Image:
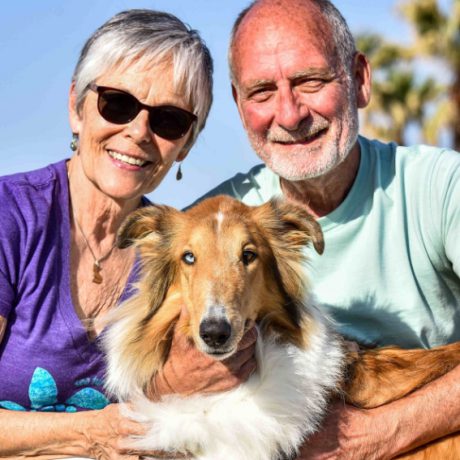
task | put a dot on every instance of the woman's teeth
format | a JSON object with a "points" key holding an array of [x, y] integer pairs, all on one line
{"points": [[126, 158]]}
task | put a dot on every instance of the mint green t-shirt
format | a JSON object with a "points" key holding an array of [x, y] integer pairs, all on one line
{"points": [[390, 272]]}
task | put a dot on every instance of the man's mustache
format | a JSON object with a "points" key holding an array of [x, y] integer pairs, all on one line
{"points": [[306, 130]]}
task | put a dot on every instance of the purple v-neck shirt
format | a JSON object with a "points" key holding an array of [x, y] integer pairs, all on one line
{"points": [[47, 362]]}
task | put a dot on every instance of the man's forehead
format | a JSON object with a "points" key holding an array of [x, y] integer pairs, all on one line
{"points": [[282, 55], [263, 38], [273, 14]]}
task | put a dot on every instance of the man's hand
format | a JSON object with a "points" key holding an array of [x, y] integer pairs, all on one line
{"points": [[385, 432], [187, 370], [350, 434]]}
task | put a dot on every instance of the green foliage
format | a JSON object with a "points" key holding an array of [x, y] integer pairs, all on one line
{"points": [[404, 95]]}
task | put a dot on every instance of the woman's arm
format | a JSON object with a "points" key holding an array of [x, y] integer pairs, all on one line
{"points": [[95, 434]]}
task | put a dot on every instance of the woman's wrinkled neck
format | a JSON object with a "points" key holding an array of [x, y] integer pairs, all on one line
{"points": [[99, 214]]}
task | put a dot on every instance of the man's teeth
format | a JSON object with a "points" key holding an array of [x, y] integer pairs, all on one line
{"points": [[127, 159]]}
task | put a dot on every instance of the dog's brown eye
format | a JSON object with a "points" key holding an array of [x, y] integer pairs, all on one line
{"points": [[248, 256], [188, 258]]}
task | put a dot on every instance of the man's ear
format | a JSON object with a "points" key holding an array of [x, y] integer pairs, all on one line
{"points": [[235, 94], [74, 116], [362, 77]]}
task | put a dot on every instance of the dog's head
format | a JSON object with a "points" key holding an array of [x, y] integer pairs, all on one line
{"points": [[232, 265]]}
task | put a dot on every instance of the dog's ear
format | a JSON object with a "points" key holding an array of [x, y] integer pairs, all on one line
{"points": [[293, 225], [152, 230], [288, 229], [142, 223], [302, 228]]}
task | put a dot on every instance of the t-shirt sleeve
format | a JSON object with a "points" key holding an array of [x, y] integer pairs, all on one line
{"points": [[449, 188], [451, 217], [9, 250]]}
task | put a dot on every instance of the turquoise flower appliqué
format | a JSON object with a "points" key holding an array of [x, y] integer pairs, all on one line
{"points": [[43, 396]]}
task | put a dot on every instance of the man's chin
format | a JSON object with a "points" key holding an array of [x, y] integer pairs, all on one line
{"points": [[295, 172], [299, 164]]}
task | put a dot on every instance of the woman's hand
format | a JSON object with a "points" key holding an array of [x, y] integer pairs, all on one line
{"points": [[108, 436], [187, 370]]}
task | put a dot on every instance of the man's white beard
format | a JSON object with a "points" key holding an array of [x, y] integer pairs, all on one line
{"points": [[297, 166]]}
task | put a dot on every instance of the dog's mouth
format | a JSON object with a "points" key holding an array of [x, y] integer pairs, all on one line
{"points": [[220, 354]]}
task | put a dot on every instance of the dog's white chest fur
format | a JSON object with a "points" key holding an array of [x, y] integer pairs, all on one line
{"points": [[268, 415]]}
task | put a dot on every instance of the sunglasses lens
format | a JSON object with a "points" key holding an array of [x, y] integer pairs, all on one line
{"points": [[170, 122], [117, 107]]}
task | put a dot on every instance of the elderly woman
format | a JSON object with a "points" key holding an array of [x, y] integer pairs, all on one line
{"points": [[139, 97]]}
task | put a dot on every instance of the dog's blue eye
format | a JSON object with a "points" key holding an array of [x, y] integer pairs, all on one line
{"points": [[188, 258], [248, 256]]}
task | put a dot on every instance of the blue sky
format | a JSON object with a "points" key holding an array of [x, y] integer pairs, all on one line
{"points": [[40, 43]]}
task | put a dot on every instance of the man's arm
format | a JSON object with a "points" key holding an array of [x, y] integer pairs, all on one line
{"points": [[387, 431]]}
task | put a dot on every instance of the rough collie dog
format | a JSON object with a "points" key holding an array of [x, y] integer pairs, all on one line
{"points": [[230, 265]]}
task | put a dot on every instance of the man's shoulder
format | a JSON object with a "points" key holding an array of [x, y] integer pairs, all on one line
{"points": [[419, 160], [415, 152], [429, 167], [254, 187]]}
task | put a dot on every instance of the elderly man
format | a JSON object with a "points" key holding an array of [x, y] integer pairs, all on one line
{"points": [[390, 215]]}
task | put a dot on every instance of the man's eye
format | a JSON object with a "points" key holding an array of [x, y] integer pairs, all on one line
{"points": [[260, 95], [311, 85]]}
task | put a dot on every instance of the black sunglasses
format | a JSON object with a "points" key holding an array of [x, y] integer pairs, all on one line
{"points": [[119, 107]]}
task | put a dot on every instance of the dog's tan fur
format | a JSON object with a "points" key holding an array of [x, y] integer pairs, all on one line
{"points": [[270, 290], [382, 375]]}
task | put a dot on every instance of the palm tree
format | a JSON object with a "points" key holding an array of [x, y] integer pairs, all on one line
{"points": [[437, 34], [399, 97]]}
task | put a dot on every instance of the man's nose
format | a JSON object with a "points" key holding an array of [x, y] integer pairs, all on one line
{"points": [[290, 110]]}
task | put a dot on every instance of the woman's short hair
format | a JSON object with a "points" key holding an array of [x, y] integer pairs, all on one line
{"points": [[153, 37]]}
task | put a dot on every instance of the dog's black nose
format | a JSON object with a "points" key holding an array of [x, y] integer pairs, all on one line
{"points": [[215, 332]]}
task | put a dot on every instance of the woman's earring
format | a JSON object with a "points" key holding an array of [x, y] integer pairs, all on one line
{"points": [[179, 173], [74, 142]]}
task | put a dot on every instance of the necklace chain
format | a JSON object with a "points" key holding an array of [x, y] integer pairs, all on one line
{"points": [[97, 267]]}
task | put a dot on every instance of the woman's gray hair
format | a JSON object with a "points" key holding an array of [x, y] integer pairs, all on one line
{"points": [[152, 37], [341, 35]]}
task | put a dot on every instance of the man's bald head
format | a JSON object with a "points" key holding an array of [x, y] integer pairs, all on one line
{"points": [[320, 16]]}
